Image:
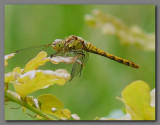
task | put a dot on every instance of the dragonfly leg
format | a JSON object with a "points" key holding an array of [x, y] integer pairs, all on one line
{"points": [[79, 64], [53, 54], [66, 54], [83, 56], [78, 52]]}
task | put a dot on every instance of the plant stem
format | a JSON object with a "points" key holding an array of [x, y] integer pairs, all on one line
{"points": [[13, 98]]}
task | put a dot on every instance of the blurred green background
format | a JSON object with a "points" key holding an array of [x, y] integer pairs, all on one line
{"points": [[102, 80]]}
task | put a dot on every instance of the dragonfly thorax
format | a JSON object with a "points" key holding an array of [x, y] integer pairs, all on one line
{"points": [[71, 43]]}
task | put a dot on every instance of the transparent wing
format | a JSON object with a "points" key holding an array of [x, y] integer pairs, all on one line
{"points": [[77, 67], [23, 56]]}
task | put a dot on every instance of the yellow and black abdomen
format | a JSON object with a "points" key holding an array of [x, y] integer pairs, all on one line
{"points": [[91, 48]]}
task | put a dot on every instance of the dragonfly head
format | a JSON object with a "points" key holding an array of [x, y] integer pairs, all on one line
{"points": [[58, 45]]}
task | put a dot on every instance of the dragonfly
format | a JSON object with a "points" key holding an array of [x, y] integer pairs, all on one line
{"points": [[73, 46]]}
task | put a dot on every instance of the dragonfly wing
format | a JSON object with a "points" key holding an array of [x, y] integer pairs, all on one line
{"points": [[23, 56], [77, 67]]}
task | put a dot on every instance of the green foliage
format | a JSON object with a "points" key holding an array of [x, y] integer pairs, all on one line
{"points": [[48, 102]]}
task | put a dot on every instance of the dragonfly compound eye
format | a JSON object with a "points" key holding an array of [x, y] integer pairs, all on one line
{"points": [[57, 45], [56, 42]]}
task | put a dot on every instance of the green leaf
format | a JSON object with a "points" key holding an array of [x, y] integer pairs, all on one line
{"points": [[39, 79], [51, 105], [12, 76], [137, 99], [39, 60], [42, 58]]}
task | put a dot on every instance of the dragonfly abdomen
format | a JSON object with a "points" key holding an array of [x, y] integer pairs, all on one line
{"points": [[91, 48]]}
